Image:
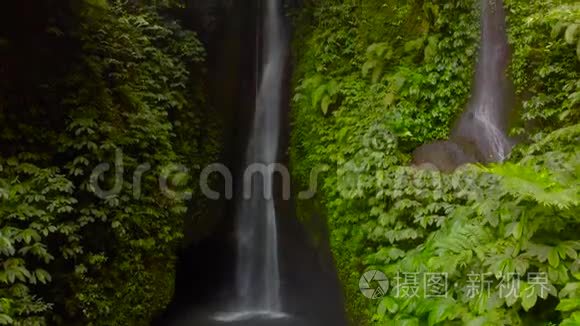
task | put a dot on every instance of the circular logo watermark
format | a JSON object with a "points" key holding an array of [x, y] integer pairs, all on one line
{"points": [[373, 284]]}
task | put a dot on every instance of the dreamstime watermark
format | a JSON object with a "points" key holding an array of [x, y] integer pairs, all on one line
{"points": [[108, 180], [375, 284], [215, 181]]}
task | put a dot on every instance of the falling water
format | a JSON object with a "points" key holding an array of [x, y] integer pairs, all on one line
{"points": [[257, 271], [480, 135], [484, 123]]}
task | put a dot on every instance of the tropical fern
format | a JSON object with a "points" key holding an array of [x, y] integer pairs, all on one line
{"points": [[378, 55]]}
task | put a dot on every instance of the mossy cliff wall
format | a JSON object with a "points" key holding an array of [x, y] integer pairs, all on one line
{"points": [[81, 81]]}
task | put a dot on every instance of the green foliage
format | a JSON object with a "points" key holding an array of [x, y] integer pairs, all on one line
{"points": [[318, 92], [425, 64], [516, 218], [566, 18], [133, 86], [509, 220], [377, 56], [545, 62], [34, 202], [421, 61]]}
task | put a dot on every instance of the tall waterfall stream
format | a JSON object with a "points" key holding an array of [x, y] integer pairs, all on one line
{"points": [[257, 270]]}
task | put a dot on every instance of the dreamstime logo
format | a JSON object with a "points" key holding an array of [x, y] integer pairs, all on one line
{"points": [[374, 284], [256, 177], [108, 180]]}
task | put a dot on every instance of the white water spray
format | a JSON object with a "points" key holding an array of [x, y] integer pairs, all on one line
{"points": [[485, 122], [257, 271]]}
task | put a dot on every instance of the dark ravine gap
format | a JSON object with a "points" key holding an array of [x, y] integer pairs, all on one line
{"points": [[225, 27], [480, 134], [206, 283]]}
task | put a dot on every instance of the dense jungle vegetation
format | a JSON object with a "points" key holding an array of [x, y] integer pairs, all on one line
{"points": [[84, 83], [122, 85], [374, 80]]}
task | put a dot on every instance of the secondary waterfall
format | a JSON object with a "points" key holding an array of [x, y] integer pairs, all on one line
{"points": [[484, 123], [480, 135], [257, 270]]}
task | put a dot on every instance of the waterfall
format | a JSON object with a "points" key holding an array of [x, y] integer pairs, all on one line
{"points": [[484, 123], [257, 271], [480, 135]]}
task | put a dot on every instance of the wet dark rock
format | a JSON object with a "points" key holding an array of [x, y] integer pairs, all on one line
{"points": [[444, 156]]}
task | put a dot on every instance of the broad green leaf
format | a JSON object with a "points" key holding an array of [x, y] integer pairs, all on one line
{"points": [[390, 304], [529, 296], [43, 276], [569, 304], [571, 32], [318, 94], [389, 99], [570, 290], [5, 319], [408, 322], [554, 258], [326, 100]]}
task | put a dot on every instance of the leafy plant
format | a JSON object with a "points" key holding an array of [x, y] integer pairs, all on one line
{"points": [[320, 93], [378, 55], [123, 80], [544, 63], [513, 218]]}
